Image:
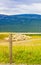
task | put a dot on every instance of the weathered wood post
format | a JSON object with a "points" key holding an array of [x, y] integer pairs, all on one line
{"points": [[10, 43]]}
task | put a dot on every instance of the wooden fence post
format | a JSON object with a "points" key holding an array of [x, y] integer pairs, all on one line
{"points": [[10, 43]]}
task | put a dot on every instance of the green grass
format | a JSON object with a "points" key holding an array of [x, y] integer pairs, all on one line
{"points": [[4, 54], [27, 54], [21, 54], [33, 34]]}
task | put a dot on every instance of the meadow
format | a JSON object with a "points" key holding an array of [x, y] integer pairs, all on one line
{"points": [[28, 53], [21, 54]]}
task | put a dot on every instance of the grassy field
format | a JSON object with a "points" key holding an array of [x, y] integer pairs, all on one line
{"points": [[23, 52]]}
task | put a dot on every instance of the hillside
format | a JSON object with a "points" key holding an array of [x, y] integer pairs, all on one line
{"points": [[20, 23]]}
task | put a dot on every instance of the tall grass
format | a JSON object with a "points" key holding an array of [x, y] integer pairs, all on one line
{"points": [[4, 54], [21, 54]]}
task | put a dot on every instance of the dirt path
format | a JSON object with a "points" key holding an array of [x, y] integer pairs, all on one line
{"points": [[25, 42]]}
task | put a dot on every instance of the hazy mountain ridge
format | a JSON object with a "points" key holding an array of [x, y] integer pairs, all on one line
{"points": [[21, 23]]}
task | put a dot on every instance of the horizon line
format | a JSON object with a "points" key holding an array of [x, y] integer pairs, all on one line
{"points": [[20, 14]]}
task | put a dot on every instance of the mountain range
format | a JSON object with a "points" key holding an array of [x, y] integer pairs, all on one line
{"points": [[20, 23]]}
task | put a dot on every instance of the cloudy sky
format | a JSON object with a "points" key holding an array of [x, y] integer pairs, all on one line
{"points": [[12, 7]]}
